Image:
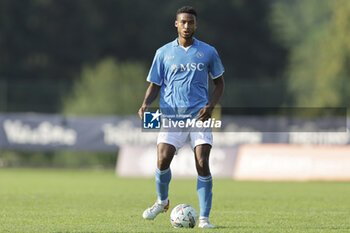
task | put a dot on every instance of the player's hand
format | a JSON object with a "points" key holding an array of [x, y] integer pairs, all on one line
{"points": [[141, 110], [205, 113]]}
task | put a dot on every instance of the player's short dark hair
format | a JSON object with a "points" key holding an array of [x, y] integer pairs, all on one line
{"points": [[186, 9]]}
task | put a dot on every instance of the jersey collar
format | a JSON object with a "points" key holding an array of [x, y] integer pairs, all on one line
{"points": [[175, 43]]}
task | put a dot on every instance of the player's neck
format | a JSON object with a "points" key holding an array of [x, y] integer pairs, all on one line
{"points": [[185, 42]]}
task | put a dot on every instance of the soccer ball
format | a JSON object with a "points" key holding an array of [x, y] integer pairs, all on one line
{"points": [[183, 215]]}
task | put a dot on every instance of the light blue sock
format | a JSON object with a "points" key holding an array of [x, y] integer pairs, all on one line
{"points": [[162, 183], [204, 190]]}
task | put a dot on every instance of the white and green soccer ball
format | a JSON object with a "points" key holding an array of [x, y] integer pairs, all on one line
{"points": [[183, 216]]}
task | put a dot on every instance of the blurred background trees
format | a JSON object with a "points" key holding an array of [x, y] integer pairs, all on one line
{"points": [[107, 88], [92, 57], [317, 33]]}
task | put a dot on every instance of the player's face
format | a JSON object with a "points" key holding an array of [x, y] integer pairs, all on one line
{"points": [[186, 25]]}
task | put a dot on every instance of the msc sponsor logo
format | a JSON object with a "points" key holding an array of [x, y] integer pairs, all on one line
{"points": [[187, 67]]}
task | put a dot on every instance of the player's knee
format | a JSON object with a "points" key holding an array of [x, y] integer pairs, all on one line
{"points": [[203, 162], [202, 165], [163, 162], [165, 156]]}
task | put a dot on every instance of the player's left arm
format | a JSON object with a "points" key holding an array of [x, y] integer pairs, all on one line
{"points": [[205, 112]]}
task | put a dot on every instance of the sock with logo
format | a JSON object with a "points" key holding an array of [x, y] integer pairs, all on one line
{"points": [[163, 178], [204, 190]]}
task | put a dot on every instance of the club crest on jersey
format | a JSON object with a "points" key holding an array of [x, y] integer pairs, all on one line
{"points": [[199, 54], [187, 67]]}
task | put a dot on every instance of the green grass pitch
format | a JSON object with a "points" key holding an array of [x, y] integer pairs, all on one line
{"points": [[42, 200]]}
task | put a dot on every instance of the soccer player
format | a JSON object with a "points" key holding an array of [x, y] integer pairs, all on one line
{"points": [[180, 71]]}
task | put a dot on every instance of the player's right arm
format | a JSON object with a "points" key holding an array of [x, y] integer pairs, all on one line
{"points": [[155, 77], [151, 95]]}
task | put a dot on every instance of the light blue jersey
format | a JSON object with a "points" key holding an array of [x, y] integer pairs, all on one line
{"points": [[183, 76]]}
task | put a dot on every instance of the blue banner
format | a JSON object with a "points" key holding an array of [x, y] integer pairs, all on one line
{"points": [[56, 132]]}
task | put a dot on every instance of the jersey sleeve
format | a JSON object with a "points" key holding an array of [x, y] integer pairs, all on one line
{"points": [[216, 69], [156, 72]]}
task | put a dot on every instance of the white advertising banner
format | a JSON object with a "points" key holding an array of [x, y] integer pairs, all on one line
{"points": [[292, 162], [140, 161]]}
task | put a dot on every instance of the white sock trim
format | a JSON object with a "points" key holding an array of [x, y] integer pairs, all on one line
{"points": [[205, 178], [162, 202], [162, 172]]}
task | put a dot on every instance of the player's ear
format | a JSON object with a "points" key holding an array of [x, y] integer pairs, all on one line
{"points": [[175, 23]]}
